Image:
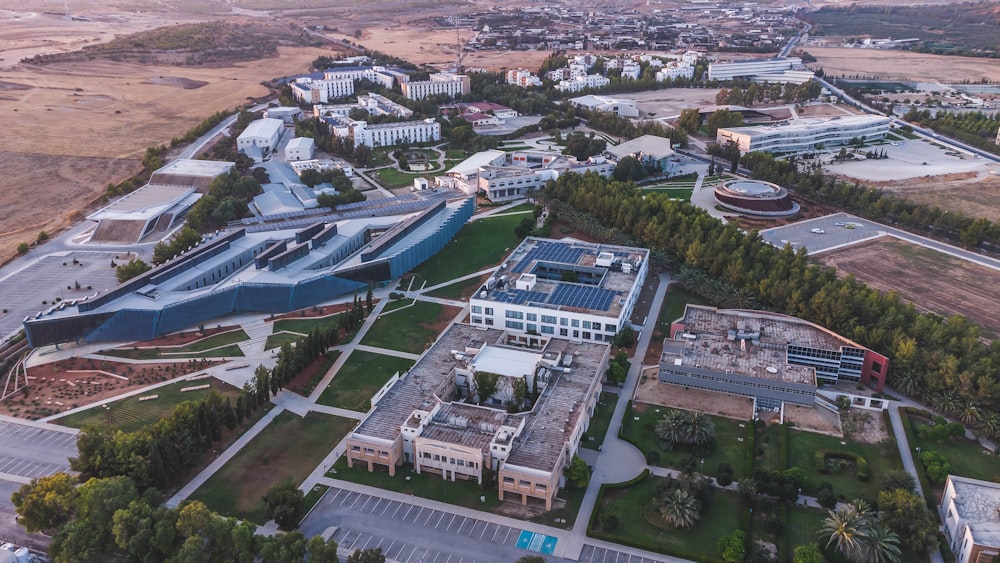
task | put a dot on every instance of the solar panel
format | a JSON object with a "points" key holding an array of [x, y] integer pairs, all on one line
{"points": [[550, 251], [517, 296], [583, 297]]}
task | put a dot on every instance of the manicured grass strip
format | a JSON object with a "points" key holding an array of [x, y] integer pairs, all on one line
{"points": [[289, 448], [478, 245], [359, 378], [639, 524], [131, 414], [769, 441], [967, 457], [600, 422], [391, 178], [224, 343], [673, 306], [456, 290], [803, 523], [406, 330], [573, 499], [307, 325], [427, 485], [674, 193], [280, 339], [314, 496], [802, 447], [728, 447]]}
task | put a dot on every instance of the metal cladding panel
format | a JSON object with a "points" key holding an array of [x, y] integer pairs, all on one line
{"points": [[197, 310], [263, 258], [308, 233], [324, 288], [51, 331], [265, 297], [126, 325]]}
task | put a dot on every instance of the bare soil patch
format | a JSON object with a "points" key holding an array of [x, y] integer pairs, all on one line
{"points": [[903, 65], [974, 193], [313, 312], [814, 419], [865, 426], [932, 280], [650, 390], [79, 381], [825, 110], [176, 81]]}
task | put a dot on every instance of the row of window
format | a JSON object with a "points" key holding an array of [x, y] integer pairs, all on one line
{"points": [[549, 319], [525, 483], [369, 451], [451, 460]]}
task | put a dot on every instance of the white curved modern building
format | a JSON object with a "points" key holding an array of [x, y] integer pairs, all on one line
{"points": [[805, 135]]}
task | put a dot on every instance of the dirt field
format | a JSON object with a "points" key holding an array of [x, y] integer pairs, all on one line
{"points": [[814, 419], [973, 193], [931, 280], [650, 390], [895, 64]]}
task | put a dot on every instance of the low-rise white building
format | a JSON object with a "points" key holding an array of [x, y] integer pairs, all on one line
{"points": [[300, 148], [388, 134], [261, 135], [583, 82], [618, 106], [805, 135], [309, 91], [970, 510], [674, 70], [286, 114], [445, 83], [631, 70], [523, 78]]}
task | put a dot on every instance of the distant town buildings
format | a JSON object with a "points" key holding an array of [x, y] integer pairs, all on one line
{"points": [[806, 135], [970, 510], [674, 70], [523, 78], [583, 82], [772, 358], [442, 83], [568, 289]]}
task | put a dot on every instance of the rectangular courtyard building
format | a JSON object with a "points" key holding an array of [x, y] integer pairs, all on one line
{"points": [[565, 288], [970, 510], [772, 358], [427, 418]]}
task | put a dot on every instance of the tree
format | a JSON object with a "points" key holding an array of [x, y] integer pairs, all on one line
{"points": [[898, 479], [42, 237], [370, 555], [285, 504], [370, 299], [629, 169], [689, 120], [846, 528], [578, 473], [45, 503], [486, 385], [524, 228], [733, 547], [700, 429], [131, 269], [881, 546], [906, 514], [808, 553], [322, 551], [679, 508], [531, 559], [23, 248]]}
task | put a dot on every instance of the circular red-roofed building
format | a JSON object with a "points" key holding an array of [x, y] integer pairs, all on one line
{"points": [[754, 197]]}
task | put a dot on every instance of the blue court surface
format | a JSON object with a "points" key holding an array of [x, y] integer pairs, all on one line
{"points": [[539, 543]]}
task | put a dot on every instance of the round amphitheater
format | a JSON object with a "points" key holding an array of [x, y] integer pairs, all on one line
{"points": [[754, 197]]}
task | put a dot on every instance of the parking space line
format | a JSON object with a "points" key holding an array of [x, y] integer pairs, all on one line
{"points": [[364, 507], [494, 536], [427, 519], [507, 535], [450, 522], [394, 512], [440, 518], [405, 516], [386, 508], [483, 533]]}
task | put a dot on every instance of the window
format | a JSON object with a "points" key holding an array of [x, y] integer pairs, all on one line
{"points": [[427, 455], [548, 319], [576, 323], [877, 367], [517, 325], [437, 457], [514, 315], [610, 328], [586, 335], [532, 328], [541, 488], [563, 332], [586, 324], [576, 334], [460, 462], [355, 448], [477, 319], [508, 480], [489, 310], [489, 321], [532, 317], [548, 330], [563, 321], [523, 483], [477, 309]]}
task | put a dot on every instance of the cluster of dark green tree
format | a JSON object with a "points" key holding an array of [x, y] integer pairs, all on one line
{"points": [[931, 355], [108, 519], [974, 128], [184, 239], [227, 200], [618, 367], [131, 269], [679, 428], [875, 204], [161, 453], [582, 146], [629, 129], [747, 93]]}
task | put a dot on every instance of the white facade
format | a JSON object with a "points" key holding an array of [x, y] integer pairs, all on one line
{"points": [[618, 106], [261, 134], [750, 68], [286, 114], [300, 148], [377, 104], [440, 83], [788, 76], [970, 511], [631, 70], [523, 78], [805, 135], [674, 70], [388, 134], [308, 91], [510, 183], [583, 82]]}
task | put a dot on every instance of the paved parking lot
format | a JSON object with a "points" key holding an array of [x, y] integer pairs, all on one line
{"points": [[410, 533], [592, 554], [30, 451], [801, 234]]}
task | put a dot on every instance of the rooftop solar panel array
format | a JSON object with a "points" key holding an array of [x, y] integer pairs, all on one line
{"points": [[583, 297], [551, 251], [518, 296], [400, 208]]}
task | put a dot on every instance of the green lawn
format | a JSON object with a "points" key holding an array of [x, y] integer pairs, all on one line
{"points": [[280, 339], [639, 524], [768, 441], [455, 290], [673, 193], [359, 378], [907, 134], [391, 178], [802, 445], [728, 447], [224, 344], [520, 208], [289, 448], [600, 421], [314, 496], [130, 414], [426, 485], [568, 511], [406, 330], [478, 245], [673, 306], [307, 325], [803, 523], [965, 456]]}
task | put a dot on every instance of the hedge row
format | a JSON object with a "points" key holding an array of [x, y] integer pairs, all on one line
{"points": [[925, 484], [819, 460]]}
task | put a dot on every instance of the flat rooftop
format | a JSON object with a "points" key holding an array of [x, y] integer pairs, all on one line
{"points": [[601, 289], [807, 125], [467, 425], [978, 503], [191, 167]]}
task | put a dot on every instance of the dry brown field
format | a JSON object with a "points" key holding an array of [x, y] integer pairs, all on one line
{"points": [[931, 280], [974, 193], [903, 65]]}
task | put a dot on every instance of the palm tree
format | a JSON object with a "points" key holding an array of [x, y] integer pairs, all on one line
{"points": [[672, 429], [970, 412], [680, 509], [990, 424], [946, 402], [847, 529], [881, 546], [699, 429], [906, 382]]}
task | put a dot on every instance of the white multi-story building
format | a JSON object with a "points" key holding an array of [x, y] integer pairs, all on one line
{"points": [[631, 70], [441, 83], [568, 289], [523, 78], [388, 134], [750, 68], [309, 91], [618, 106], [788, 76], [261, 135], [674, 70], [300, 148], [286, 114], [970, 510], [377, 104], [805, 135], [578, 83]]}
